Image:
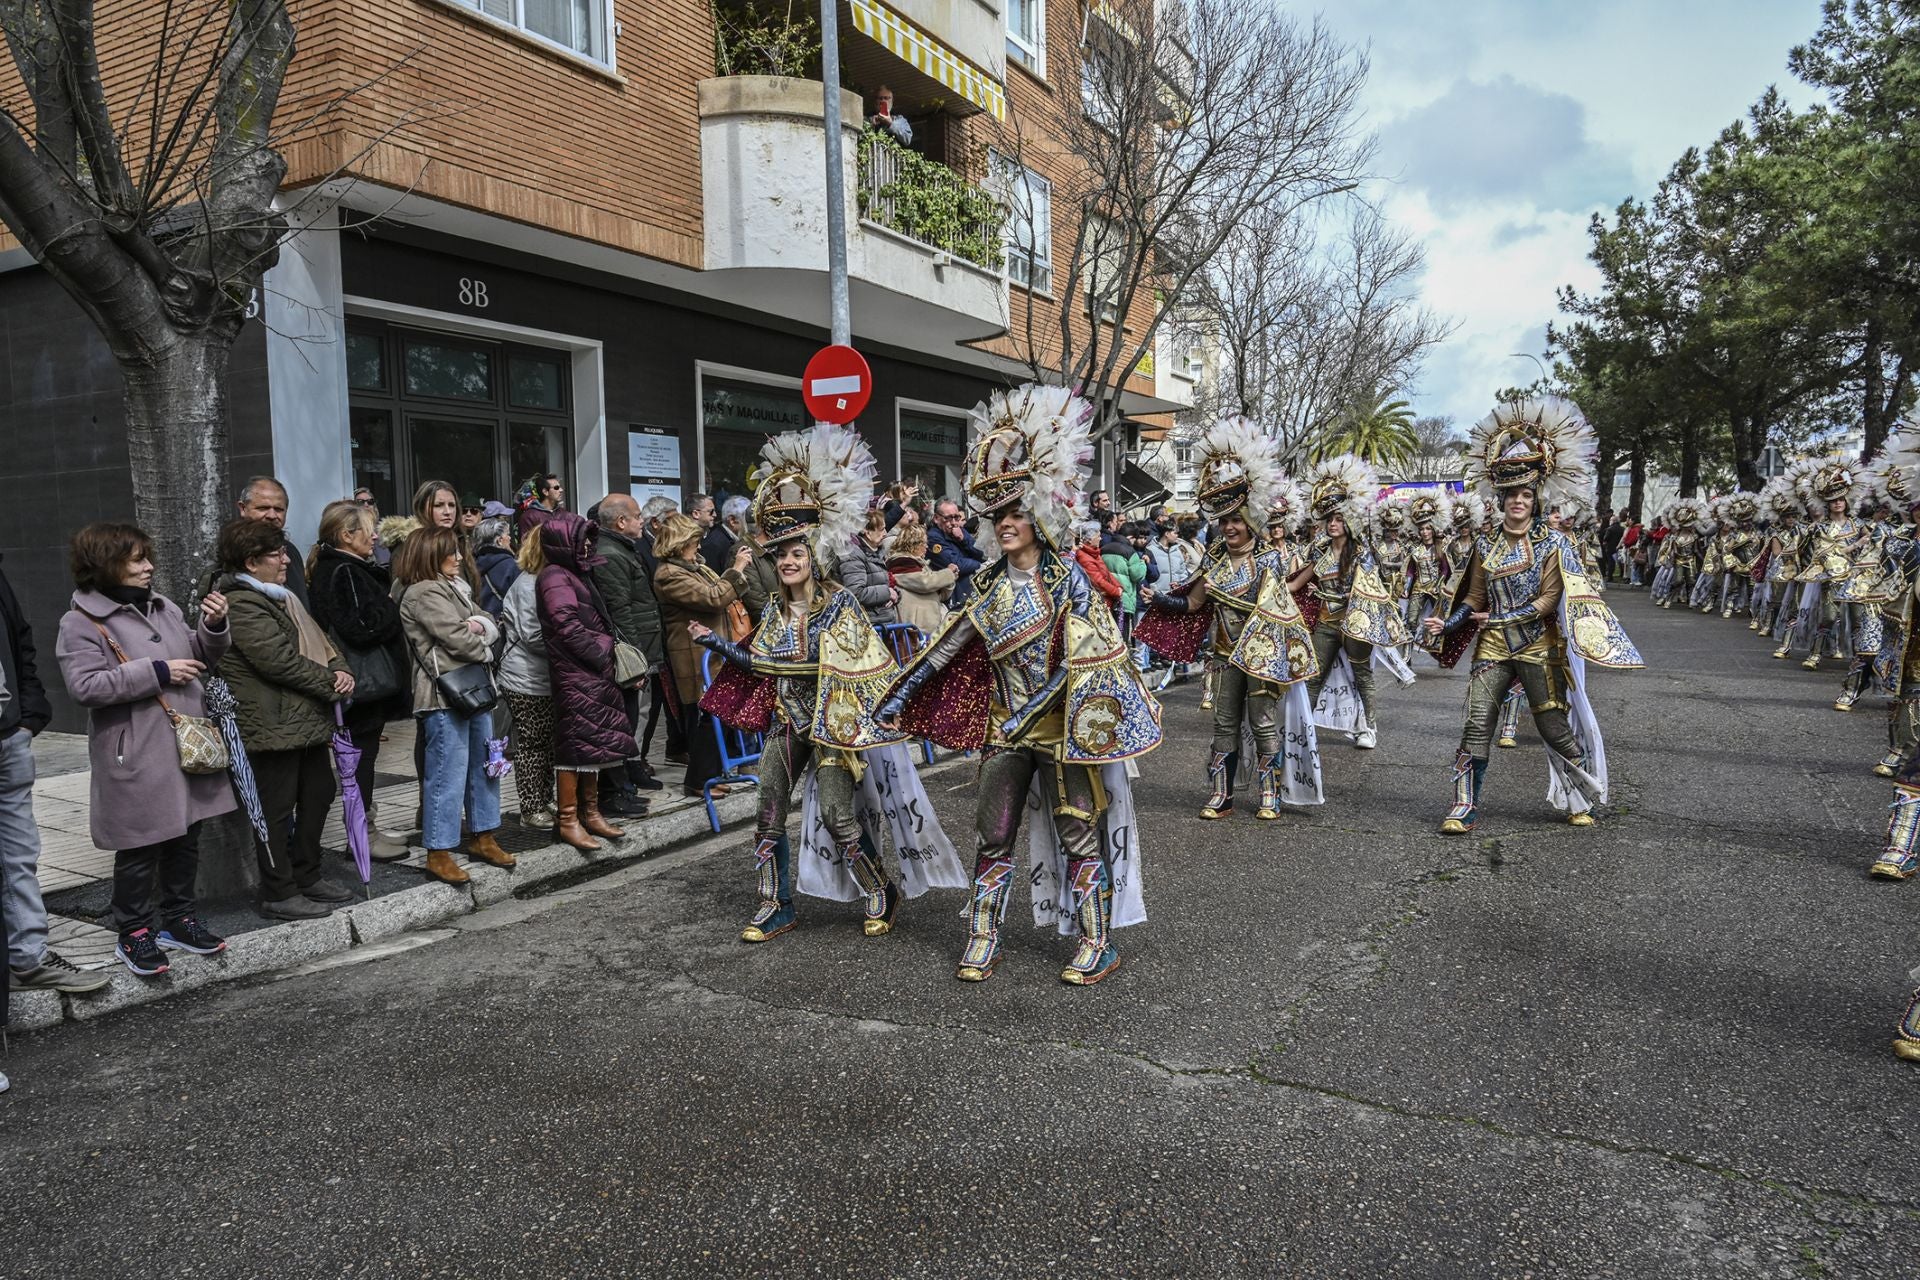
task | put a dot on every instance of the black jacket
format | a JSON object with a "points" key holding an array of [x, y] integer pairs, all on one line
{"points": [[716, 548], [26, 705], [498, 569], [627, 587]]}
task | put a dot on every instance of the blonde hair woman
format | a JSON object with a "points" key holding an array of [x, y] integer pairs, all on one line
{"points": [[688, 591]]}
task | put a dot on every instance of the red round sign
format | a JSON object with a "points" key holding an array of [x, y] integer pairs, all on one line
{"points": [[836, 385]]}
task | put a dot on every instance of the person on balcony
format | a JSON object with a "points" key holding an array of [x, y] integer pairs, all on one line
{"points": [[884, 120]]}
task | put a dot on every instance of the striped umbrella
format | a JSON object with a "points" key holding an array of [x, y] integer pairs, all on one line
{"points": [[221, 706]]}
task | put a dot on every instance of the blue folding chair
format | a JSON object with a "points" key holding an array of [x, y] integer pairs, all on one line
{"points": [[905, 640], [738, 748]]}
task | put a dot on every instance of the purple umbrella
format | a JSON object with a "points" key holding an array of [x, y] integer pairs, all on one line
{"points": [[353, 805]]}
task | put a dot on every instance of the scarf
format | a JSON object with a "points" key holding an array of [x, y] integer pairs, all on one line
{"points": [[314, 645]]}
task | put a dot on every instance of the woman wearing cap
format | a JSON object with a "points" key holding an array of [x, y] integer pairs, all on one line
{"points": [[1356, 618], [1052, 732], [1527, 611], [817, 666], [1252, 627]]}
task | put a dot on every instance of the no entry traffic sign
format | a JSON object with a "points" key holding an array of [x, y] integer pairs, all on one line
{"points": [[836, 385]]}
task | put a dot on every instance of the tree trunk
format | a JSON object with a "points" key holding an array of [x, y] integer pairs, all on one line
{"points": [[1637, 480], [1875, 392], [177, 444], [1747, 437], [1603, 480], [1689, 459]]}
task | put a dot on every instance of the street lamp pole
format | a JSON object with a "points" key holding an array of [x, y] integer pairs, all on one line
{"points": [[836, 173], [1528, 355]]}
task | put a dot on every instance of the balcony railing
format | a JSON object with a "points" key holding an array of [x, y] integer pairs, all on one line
{"points": [[924, 200]]}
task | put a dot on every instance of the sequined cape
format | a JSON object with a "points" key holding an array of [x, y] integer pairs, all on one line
{"points": [[1586, 626]]}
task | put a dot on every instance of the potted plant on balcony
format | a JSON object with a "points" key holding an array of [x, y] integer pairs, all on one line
{"points": [[754, 39]]}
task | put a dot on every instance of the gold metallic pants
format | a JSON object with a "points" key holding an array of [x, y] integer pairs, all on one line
{"points": [[1546, 689], [1329, 640], [783, 762], [1074, 791]]}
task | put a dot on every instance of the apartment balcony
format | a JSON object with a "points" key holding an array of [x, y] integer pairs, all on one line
{"points": [[916, 279]]}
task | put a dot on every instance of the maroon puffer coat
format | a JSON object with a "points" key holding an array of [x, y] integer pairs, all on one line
{"points": [[590, 715]]}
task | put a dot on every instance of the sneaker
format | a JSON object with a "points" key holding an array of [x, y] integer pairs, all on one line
{"points": [[539, 820], [140, 953], [297, 907], [57, 973], [1366, 739], [327, 890], [188, 934]]}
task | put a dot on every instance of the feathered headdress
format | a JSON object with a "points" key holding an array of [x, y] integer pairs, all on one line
{"points": [[1288, 507], [1470, 511], [1542, 443], [1740, 508], [1390, 514], [1900, 457], [1344, 486], [1796, 482], [1032, 446], [813, 484], [1832, 480], [1576, 511], [1428, 507], [1688, 513], [1239, 468]]}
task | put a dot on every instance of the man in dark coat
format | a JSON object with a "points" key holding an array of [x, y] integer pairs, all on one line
{"points": [[717, 547], [264, 498], [627, 586], [24, 712], [948, 544]]}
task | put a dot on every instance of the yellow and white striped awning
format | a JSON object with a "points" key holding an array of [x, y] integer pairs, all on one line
{"points": [[915, 46]]}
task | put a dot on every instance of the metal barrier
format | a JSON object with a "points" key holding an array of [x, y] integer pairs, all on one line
{"points": [[904, 640], [738, 748]]}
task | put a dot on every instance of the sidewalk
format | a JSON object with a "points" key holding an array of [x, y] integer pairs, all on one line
{"points": [[76, 878]]}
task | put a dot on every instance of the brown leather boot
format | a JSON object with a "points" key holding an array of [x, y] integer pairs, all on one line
{"points": [[442, 867], [590, 809], [484, 847], [568, 828]]}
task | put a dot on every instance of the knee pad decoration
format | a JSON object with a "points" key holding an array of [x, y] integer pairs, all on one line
{"points": [[1095, 957], [774, 860], [992, 887]]}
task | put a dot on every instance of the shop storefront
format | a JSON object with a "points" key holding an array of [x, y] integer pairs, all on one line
{"points": [[933, 447]]}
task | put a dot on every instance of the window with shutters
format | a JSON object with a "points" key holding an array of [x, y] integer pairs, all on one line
{"points": [[578, 26]]}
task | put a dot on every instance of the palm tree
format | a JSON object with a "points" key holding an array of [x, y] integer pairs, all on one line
{"points": [[1379, 428]]}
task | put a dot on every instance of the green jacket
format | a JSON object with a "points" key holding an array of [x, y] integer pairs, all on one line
{"points": [[286, 700], [1129, 571], [628, 591]]}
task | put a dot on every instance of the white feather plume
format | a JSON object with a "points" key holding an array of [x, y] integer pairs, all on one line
{"points": [[1290, 501], [1056, 428], [1240, 446], [1562, 432], [1349, 474], [828, 465]]}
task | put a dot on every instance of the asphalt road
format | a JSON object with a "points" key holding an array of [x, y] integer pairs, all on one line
{"points": [[1343, 1045]]}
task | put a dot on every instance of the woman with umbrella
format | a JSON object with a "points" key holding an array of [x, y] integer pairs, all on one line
{"points": [[128, 656]]}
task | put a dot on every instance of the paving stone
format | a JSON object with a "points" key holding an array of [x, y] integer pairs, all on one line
{"points": [[263, 951]]}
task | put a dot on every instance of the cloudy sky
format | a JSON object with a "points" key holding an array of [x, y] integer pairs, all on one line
{"points": [[1504, 124]]}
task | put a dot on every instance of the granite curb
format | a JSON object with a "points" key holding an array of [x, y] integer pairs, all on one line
{"points": [[285, 946]]}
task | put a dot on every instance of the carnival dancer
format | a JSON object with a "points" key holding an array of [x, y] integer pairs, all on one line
{"points": [[1740, 552], [1356, 621], [1430, 512], [1284, 520], [809, 677], [1239, 605], [1832, 545], [1528, 612], [1708, 582], [1680, 553], [1469, 513], [1898, 664], [1027, 673], [1786, 550], [1391, 552]]}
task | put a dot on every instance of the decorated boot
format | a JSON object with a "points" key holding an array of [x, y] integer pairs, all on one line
{"points": [[870, 873], [1270, 776], [1906, 1040], [774, 858], [1900, 859], [1854, 685], [1095, 958], [992, 887], [1468, 775], [1220, 771]]}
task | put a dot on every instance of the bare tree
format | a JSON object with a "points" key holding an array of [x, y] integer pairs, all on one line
{"points": [[1193, 118]]}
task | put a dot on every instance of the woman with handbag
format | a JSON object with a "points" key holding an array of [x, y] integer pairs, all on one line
{"points": [[450, 639], [527, 684], [129, 657], [591, 730], [689, 592], [285, 675], [352, 599]]}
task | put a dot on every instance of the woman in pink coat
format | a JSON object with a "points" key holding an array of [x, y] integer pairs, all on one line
{"points": [[122, 650]]}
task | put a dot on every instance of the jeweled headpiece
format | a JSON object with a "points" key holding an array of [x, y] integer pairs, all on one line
{"points": [[1343, 486], [1740, 508], [1832, 481], [1239, 468], [1542, 443], [1032, 447], [812, 484], [1288, 509]]}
